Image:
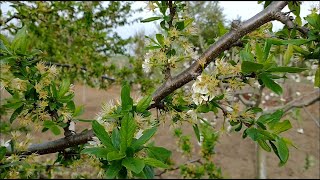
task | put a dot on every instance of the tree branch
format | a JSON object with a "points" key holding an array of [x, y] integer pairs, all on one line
{"points": [[302, 101], [238, 31], [224, 43]]}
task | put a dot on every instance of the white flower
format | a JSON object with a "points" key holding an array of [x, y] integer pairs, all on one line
{"points": [[300, 130], [298, 93], [193, 115], [94, 143], [199, 87], [146, 66], [267, 97], [197, 98], [139, 134]]}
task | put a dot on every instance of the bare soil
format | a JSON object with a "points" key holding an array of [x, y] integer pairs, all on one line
{"points": [[236, 156]]}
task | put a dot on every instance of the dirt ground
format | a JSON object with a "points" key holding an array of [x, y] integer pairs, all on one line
{"points": [[234, 155]]}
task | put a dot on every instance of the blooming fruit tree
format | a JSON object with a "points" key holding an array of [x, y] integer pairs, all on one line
{"points": [[193, 85]]}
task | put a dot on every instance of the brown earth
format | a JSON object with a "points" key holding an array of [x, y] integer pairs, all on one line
{"points": [[234, 155]]}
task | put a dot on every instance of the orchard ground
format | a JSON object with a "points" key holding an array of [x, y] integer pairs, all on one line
{"points": [[235, 156]]}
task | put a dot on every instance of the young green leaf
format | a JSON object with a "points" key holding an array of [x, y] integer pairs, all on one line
{"points": [[160, 39], [288, 54], [155, 163], [259, 54], [159, 153], [196, 131], [287, 69], [248, 66], [269, 83], [133, 164], [99, 152], [148, 171], [115, 155], [55, 130], [64, 87], [103, 136], [264, 145], [266, 50], [280, 127], [113, 169], [115, 138], [146, 135], [128, 128], [16, 113], [143, 104], [126, 100], [150, 19], [3, 151], [246, 56], [282, 150]]}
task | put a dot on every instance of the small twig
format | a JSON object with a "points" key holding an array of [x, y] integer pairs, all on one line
{"points": [[312, 117], [175, 168]]}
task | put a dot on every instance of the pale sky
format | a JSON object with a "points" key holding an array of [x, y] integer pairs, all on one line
{"points": [[231, 10]]}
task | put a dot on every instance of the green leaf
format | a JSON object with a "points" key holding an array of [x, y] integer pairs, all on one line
{"points": [[113, 169], [259, 54], [16, 113], [271, 118], [70, 105], [180, 25], [294, 8], [188, 22], [78, 111], [3, 151], [239, 127], [146, 135], [160, 39], [269, 83], [126, 100], [280, 127], [55, 130], [64, 87], [155, 163], [48, 123], [115, 138], [196, 131], [282, 150], [264, 145], [286, 69], [248, 66], [133, 164], [150, 19], [266, 50], [159, 153], [317, 78], [314, 20], [246, 56], [103, 136], [288, 54], [143, 104], [148, 171], [54, 90], [115, 155], [99, 152], [252, 133], [128, 128]]}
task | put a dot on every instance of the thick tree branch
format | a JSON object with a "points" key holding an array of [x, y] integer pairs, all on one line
{"points": [[224, 43], [238, 31], [58, 145]]}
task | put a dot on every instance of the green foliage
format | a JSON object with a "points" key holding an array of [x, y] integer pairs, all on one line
{"points": [[268, 129], [120, 150]]}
